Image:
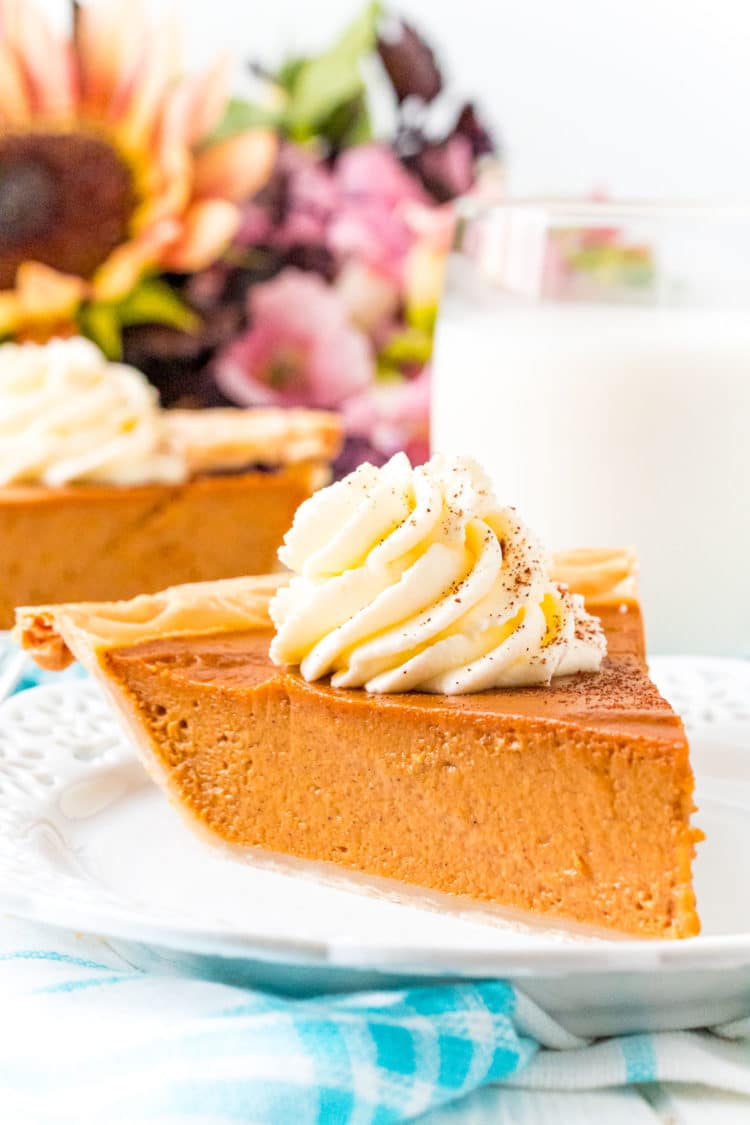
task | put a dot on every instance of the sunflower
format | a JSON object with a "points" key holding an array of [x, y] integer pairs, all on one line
{"points": [[109, 173]]}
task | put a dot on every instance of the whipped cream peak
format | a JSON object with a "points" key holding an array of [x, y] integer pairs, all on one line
{"points": [[69, 415], [417, 579]]}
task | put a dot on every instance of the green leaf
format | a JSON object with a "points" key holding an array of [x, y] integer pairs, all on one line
{"points": [[288, 72], [241, 115], [349, 124], [360, 130], [101, 324], [155, 302], [331, 79], [151, 302]]}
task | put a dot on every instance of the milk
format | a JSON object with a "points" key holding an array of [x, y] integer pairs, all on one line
{"points": [[615, 424]]}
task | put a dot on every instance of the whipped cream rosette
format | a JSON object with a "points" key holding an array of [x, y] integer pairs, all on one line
{"points": [[418, 580], [67, 415]]}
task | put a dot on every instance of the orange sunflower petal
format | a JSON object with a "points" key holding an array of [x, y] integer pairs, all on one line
{"points": [[45, 293], [137, 105], [238, 167], [140, 112], [11, 314], [15, 104], [118, 73], [164, 179], [109, 36], [10, 15], [125, 266], [208, 229], [46, 62], [165, 198], [196, 104]]}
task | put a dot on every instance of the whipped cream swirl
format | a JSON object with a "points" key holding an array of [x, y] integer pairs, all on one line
{"points": [[417, 580], [68, 415]]}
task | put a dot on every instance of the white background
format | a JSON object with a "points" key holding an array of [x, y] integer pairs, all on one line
{"points": [[646, 97]]}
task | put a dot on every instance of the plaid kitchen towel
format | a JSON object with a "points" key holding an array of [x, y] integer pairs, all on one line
{"points": [[87, 1038]]}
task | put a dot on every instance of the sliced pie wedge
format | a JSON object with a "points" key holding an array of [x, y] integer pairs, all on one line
{"points": [[572, 800], [249, 472]]}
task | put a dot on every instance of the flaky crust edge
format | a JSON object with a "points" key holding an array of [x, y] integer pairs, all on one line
{"points": [[603, 575], [55, 635], [229, 438]]}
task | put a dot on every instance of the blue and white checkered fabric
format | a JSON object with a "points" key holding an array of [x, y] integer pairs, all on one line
{"points": [[87, 1038]]}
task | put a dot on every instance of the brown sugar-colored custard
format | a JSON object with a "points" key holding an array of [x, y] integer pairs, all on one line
{"points": [[86, 543], [573, 800]]}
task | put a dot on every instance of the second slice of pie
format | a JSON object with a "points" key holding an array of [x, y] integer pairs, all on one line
{"points": [[104, 495]]}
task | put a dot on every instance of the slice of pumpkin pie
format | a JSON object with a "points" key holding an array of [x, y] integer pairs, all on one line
{"points": [[429, 698], [104, 495]]}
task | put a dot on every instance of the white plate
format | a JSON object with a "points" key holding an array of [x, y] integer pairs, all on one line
{"points": [[87, 842]]}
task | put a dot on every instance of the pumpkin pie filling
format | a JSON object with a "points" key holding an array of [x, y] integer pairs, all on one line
{"points": [[573, 800], [89, 542]]}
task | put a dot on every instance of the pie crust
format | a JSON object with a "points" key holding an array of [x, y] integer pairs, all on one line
{"points": [[229, 438]]}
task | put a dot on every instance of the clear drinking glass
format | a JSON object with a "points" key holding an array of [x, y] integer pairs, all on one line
{"points": [[595, 357]]}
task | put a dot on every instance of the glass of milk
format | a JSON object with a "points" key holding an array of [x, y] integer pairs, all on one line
{"points": [[595, 358]]}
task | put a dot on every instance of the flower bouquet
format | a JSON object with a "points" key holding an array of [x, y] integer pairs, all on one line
{"points": [[282, 249]]}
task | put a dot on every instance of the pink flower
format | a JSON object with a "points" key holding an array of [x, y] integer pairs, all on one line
{"points": [[373, 172], [300, 349], [367, 210], [312, 197], [433, 226], [393, 415], [370, 223], [256, 227], [374, 237], [371, 301]]}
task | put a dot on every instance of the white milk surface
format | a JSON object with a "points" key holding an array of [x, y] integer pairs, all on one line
{"points": [[616, 424]]}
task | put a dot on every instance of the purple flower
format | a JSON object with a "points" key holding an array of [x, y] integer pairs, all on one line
{"points": [[409, 62], [296, 207], [469, 125], [447, 168]]}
